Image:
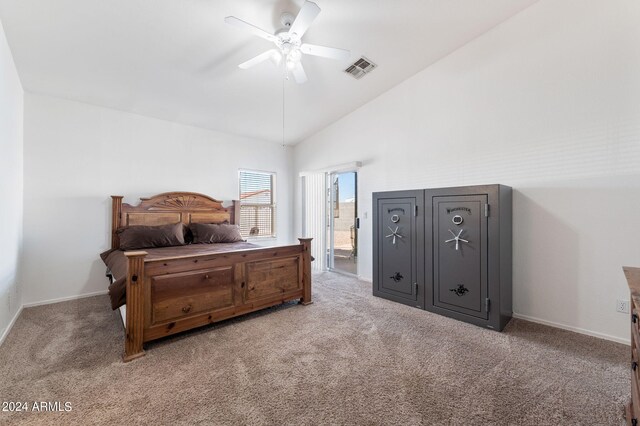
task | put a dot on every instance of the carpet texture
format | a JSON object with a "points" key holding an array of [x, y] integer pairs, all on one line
{"points": [[349, 358]]}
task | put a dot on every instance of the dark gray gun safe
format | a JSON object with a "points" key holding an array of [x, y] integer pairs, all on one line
{"points": [[398, 246], [446, 250]]}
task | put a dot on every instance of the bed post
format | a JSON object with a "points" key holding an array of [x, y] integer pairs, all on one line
{"points": [[235, 212], [116, 218], [135, 305], [306, 271]]}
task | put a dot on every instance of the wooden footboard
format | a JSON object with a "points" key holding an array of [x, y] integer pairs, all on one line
{"points": [[174, 294]]}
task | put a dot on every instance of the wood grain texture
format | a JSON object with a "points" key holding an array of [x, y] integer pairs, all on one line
{"points": [[177, 293], [306, 270], [116, 217], [173, 327], [212, 260], [168, 208], [633, 280], [271, 277], [135, 306]]}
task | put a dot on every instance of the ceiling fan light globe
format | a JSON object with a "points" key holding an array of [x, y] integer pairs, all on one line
{"points": [[295, 55], [276, 57]]}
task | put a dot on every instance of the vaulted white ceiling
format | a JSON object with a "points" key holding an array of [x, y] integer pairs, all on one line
{"points": [[177, 59]]}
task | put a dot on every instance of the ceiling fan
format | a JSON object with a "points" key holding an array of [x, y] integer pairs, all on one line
{"points": [[288, 41]]}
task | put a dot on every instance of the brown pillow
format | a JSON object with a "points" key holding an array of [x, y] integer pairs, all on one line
{"points": [[138, 237], [208, 233]]}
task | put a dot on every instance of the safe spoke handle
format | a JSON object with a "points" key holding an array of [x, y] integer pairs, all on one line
{"points": [[394, 234], [456, 238]]}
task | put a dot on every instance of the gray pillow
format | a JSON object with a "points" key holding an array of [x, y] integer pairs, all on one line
{"points": [[208, 233], [140, 236]]}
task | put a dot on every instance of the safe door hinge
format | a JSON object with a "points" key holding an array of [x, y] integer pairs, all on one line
{"points": [[486, 210], [415, 211], [487, 304], [416, 284]]}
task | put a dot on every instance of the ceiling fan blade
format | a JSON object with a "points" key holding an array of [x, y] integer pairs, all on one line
{"points": [[232, 20], [305, 17], [325, 52], [269, 54], [298, 73]]}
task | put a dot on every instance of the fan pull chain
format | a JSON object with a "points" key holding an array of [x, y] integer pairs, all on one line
{"points": [[287, 77]]}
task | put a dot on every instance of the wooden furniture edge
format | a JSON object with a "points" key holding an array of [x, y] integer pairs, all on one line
{"points": [[306, 271], [246, 251], [235, 212], [632, 275], [116, 219], [172, 327], [135, 296]]}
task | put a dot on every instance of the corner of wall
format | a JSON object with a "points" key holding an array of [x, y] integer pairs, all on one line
{"points": [[12, 191]]}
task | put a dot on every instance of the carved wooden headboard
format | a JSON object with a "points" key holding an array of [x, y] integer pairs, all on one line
{"points": [[170, 207]]}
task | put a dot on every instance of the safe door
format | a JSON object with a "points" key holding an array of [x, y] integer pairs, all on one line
{"points": [[460, 281], [399, 248]]}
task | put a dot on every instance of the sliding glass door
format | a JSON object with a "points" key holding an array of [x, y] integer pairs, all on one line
{"points": [[342, 222]]}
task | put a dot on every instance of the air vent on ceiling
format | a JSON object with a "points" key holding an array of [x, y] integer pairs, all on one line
{"points": [[360, 67]]}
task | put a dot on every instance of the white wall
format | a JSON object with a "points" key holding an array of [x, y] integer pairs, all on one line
{"points": [[11, 110], [548, 103], [77, 155]]}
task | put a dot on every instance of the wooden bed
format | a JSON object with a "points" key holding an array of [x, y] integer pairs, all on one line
{"points": [[168, 295]]}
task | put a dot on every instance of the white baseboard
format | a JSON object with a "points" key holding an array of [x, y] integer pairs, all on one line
{"points": [[10, 326], [45, 302], [574, 329], [64, 299], [365, 279]]}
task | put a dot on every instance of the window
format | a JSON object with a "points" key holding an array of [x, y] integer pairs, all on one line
{"points": [[257, 204]]}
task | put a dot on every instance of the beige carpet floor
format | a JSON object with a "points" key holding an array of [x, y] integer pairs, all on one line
{"points": [[349, 358]]}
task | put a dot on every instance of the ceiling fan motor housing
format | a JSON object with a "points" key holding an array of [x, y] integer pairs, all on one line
{"points": [[287, 19]]}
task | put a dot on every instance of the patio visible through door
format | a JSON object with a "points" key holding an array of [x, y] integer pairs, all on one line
{"points": [[343, 227]]}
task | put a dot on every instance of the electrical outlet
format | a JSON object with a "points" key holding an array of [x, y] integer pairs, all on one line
{"points": [[622, 306]]}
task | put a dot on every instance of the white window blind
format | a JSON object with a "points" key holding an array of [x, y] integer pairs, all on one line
{"points": [[257, 204], [314, 220]]}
